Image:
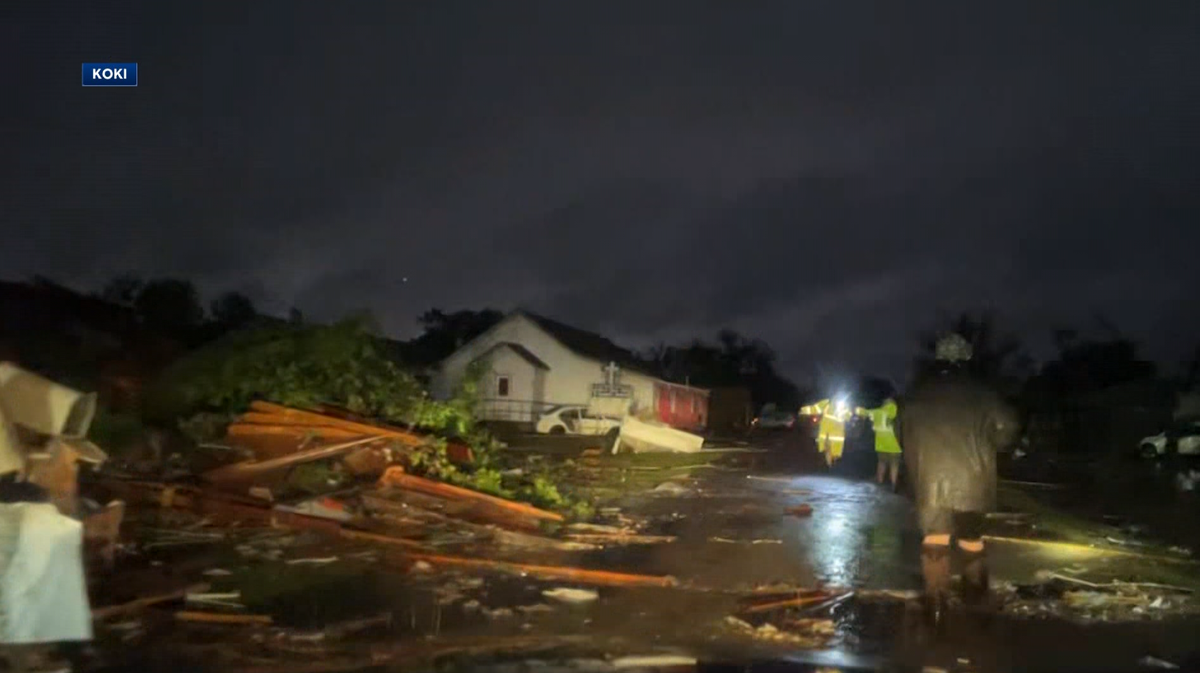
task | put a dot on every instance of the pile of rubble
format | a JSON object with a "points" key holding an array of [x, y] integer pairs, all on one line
{"points": [[1063, 596], [360, 507], [371, 497]]}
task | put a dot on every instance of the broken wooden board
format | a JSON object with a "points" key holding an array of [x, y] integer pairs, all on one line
{"points": [[398, 478], [428, 507], [146, 602], [642, 436], [408, 515], [221, 506], [265, 423], [246, 470]]}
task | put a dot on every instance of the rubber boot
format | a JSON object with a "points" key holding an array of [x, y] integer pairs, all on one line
{"points": [[974, 576], [935, 567]]}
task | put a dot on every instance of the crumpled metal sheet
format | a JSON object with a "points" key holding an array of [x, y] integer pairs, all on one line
{"points": [[45, 406]]}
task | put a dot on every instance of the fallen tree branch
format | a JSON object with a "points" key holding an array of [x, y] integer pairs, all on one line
{"points": [[381, 539], [344, 629], [598, 528], [581, 575], [1118, 584], [804, 598], [148, 601], [253, 467], [831, 603], [1035, 484], [220, 618], [619, 538]]}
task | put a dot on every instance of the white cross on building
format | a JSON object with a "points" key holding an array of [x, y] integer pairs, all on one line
{"points": [[611, 371]]}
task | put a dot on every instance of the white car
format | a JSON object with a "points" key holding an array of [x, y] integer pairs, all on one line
{"points": [[774, 418], [1182, 438], [574, 420]]}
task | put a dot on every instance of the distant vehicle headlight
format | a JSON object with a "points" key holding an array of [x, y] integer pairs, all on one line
{"points": [[842, 407]]}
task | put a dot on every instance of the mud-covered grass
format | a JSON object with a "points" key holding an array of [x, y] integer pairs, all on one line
{"points": [[309, 596], [663, 460], [606, 483], [1050, 522], [1053, 522], [1084, 548], [601, 478]]}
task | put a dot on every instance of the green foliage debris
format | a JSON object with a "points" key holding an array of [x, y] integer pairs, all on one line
{"points": [[316, 478], [343, 365], [296, 365]]}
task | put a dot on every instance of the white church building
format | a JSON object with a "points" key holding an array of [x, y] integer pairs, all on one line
{"points": [[535, 363]]}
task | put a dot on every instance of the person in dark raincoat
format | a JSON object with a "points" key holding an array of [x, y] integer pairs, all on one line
{"points": [[951, 428]]}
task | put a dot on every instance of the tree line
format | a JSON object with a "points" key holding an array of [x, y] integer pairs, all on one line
{"points": [[172, 307], [1083, 362]]}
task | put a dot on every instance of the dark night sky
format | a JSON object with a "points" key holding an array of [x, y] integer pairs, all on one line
{"points": [[827, 175]]}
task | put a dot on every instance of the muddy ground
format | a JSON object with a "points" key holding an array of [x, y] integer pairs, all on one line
{"points": [[736, 534]]}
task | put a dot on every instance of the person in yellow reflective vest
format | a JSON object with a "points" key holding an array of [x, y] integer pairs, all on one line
{"points": [[831, 430], [887, 447]]}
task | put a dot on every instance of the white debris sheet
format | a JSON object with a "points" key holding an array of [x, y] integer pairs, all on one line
{"points": [[652, 436], [43, 592]]}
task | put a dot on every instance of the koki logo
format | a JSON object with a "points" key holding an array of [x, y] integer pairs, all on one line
{"points": [[110, 74]]}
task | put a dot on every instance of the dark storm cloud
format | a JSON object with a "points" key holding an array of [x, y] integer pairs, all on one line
{"points": [[827, 175]]}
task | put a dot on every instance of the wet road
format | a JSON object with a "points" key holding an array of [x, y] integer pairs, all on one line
{"points": [[735, 535], [734, 532]]}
